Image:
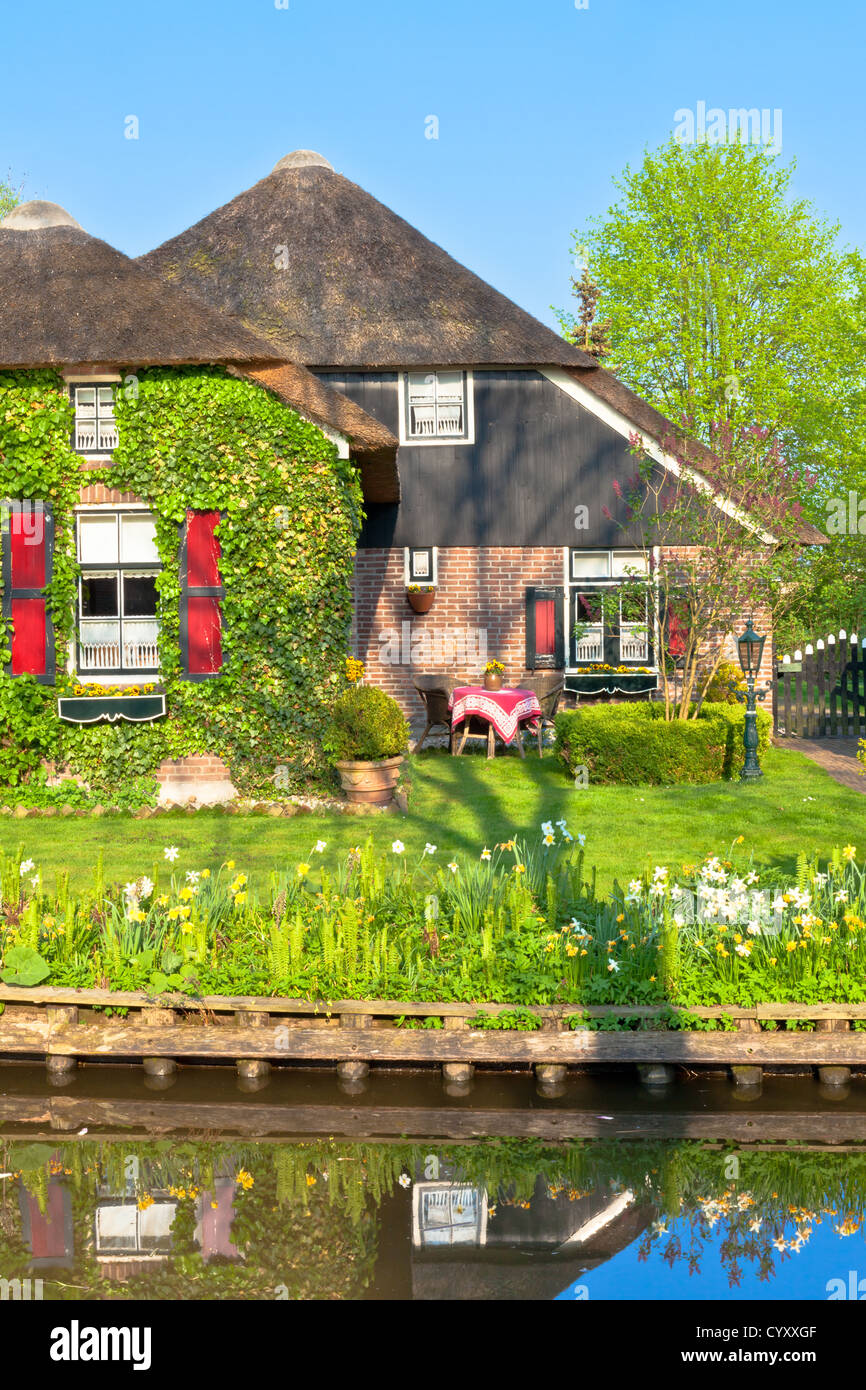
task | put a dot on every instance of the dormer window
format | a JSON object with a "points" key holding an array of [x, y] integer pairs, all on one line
{"points": [[436, 407], [95, 426]]}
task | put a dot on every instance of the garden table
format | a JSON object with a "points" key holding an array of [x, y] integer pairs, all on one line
{"points": [[502, 710]]}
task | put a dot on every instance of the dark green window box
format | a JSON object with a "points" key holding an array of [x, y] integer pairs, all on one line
{"points": [[612, 683], [136, 709]]}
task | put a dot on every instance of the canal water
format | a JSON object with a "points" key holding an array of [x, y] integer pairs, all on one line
{"points": [[113, 1190]]}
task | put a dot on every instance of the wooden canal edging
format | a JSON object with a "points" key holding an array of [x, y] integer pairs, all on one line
{"points": [[65, 1026]]}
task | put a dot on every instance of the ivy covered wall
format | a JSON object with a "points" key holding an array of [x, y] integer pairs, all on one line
{"points": [[194, 438]]}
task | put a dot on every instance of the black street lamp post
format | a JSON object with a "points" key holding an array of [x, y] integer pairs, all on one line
{"points": [[750, 649]]}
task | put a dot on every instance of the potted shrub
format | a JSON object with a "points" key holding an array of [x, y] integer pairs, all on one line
{"points": [[366, 740], [493, 673], [421, 597]]}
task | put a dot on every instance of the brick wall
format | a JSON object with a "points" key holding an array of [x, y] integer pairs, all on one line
{"points": [[206, 768], [478, 614], [761, 621]]}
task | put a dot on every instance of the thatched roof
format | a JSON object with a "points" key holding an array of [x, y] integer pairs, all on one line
{"points": [[657, 426], [66, 297], [354, 286]]}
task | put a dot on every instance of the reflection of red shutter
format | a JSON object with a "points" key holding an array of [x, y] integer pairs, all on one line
{"points": [[202, 594], [27, 556]]}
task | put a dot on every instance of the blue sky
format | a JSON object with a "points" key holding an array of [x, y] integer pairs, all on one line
{"points": [[539, 104], [805, 1275]]}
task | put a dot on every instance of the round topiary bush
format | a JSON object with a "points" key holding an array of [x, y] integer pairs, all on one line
{"points": [[366, 725]]}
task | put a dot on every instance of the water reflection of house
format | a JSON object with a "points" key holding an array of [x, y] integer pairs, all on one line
{"points": [[465, 1246]]}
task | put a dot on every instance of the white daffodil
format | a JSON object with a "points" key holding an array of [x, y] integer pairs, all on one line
{"points": [[320, 846], [547, 827], [171, 852], [192, 875], [453, 867], [404, 1180], [26, 866], [429, 849], [146, 886], [397, 846], [612, 965]]}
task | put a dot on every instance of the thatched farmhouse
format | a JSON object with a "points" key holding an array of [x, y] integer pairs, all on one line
{"points": [[182, 508], [509, 436], [224, 463]]}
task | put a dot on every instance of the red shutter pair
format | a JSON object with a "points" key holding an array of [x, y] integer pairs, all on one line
{"points": [[27, 550], [201, 597]]}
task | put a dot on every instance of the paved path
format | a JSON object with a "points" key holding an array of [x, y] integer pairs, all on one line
{"points": [[838, 756]]}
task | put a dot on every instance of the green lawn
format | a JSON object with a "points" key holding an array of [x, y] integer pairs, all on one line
{"points": [[462, 804]]}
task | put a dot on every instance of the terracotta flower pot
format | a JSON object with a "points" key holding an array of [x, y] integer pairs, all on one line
{"points": [[492, 680], [422, 601], [368, 783]]}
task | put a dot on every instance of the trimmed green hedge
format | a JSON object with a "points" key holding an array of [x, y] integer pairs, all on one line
{"points": [[635, 745]]}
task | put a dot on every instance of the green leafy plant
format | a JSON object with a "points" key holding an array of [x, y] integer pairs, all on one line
{"points": [[366, 725]]}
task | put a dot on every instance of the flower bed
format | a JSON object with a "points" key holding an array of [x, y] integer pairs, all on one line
{"points": [[519, 925]]}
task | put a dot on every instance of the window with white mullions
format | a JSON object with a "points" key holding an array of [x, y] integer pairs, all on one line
{"points": [[436, 405], [118, 626], [95, 426], [610, 610]]}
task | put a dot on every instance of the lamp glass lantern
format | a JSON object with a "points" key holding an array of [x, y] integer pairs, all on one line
{"points": [[750, 649]]}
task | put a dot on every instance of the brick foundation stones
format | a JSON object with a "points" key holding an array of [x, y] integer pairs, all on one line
{"points": [[204, 778]]}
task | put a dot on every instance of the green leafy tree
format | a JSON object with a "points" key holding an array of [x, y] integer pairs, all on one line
{"points": [[730, 300], [9, 198]]}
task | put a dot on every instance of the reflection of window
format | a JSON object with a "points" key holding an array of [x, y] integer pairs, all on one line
{"points": [[446, 1214], [437, 406], [121, 1228], [95, 428], [118, 600]]}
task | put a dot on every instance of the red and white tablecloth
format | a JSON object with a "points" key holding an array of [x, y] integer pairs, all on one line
{"points": [[505, 709]]}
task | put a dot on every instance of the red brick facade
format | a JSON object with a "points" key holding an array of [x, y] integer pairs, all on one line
{"points": [[206, 768], [478, 614]]}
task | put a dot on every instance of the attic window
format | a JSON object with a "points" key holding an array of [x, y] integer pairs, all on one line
{"points": [[95, 427], [437, 406]]}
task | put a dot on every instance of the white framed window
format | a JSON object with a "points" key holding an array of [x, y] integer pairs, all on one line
{"points": [[95, 429], [436, 407], [447, 1214], [604, 629], [590, 564], [421, 564], [118, 602], [121, 1228]]}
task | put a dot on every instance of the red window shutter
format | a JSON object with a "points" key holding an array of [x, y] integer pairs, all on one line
{"points": [[28, 637], [545, 643], [202, 595], [545, 627], [203, 550], [204, 636], [27, 550], [678, 633]]}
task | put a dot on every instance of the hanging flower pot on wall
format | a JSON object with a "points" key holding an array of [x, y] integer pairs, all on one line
{"points": [[421, 597]]}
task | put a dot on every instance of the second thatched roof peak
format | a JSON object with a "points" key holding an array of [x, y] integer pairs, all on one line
{"points": [[312, 262]]}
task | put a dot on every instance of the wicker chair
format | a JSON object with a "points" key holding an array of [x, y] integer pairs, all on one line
{"points": [[435, 691], [549, 690]]}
